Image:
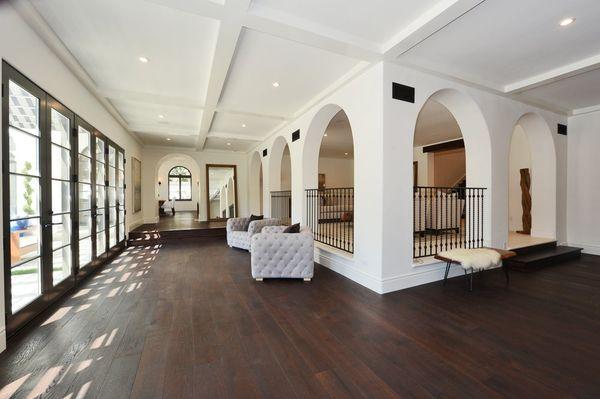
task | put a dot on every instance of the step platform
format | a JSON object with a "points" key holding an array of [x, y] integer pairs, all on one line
{"points": [[538, 256]]}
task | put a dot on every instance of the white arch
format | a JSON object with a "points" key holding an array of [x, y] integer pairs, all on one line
{"points": [[190, 163], [543, 174], [275, 158], [478, 147], [255, 193]]}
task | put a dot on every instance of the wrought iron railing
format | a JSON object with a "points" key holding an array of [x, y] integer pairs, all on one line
{"points": [[445, 218], [330, 216], [281, 206]]}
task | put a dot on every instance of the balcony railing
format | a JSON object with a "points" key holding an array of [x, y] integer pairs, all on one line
{"points": [[445, 218], [330, 215], [281, 206]]}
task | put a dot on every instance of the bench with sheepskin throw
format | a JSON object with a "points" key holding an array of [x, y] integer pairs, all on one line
{"points": [[474, 259]]}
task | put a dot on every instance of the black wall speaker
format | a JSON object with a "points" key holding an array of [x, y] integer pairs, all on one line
{"points": [[403, 93], [562, 129], [296, 135], [265, 152]]}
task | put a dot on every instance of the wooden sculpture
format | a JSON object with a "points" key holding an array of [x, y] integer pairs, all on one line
{"points": [[526, 201]]}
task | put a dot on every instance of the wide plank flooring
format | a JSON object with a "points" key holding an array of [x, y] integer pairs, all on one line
{"points": [[185, 320]]}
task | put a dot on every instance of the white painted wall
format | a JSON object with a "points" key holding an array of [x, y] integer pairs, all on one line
{"points": [[583, 189], [423, 160], [153, 158], [339, 173], [520, 158], [286, 171], [162, 190], [24, 50]]}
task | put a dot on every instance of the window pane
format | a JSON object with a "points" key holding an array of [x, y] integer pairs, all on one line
{"points": [[61, 163], [61, 264], [84, 142], [179, 171], [100, 244], [61, 230], [112, 200], [112, 237], [25, 240], [120, 163], [186, 188], [173, 188], [100, 195], [100, 175], [100, 222], [121, 214], [85, 169], [112, 156], [85, 224], [85, 251], [112, 216], [61, 196], [121, 231], [60, 129], [24, 196], [120, 178], [111, 177], [25, 283], [23, 109], [85, 196], [121, 196], [23, 153], [99, 150]]}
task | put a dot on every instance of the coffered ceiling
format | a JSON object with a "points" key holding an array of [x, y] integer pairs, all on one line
{"points": [[225, 74]]}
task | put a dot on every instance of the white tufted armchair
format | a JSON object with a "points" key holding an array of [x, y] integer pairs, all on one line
{"points": [[238, 237], [282, 255]]}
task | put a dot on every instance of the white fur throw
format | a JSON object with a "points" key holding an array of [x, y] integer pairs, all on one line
{"points": [[477, 258]]}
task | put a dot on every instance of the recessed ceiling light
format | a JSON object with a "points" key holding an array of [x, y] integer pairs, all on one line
{"points": [[243, 125], [325, 135], [143, 60], [345, 153], [161, 116], [275, 84], [228, 143], [567, 21], [168, 139]]}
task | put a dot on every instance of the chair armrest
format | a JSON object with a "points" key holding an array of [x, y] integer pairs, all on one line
{"points": [[273, 229], [256, 226], [236, 224]]}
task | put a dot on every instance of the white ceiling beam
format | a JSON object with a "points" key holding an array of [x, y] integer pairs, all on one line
{"points": [[235, 136], [205, 8], [316, 36], [229, 33], [252, 114], [586, 110], [562, 72], [428, 23], [45, 32]]}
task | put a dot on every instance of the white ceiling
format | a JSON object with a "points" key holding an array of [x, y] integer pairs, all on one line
{"points": [[212, 62]]}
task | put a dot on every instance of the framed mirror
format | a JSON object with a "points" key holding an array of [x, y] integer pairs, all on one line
{"points": [[221, 192]]}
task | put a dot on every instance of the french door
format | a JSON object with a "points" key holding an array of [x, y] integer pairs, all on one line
{"points": [[58, 217]]}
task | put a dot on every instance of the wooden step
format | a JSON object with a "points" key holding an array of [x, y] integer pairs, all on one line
{"points": [[151, 237], [544, 255]]}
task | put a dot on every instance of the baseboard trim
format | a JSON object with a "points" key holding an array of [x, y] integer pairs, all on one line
{"points": [[150, 220], [345, 266], [590, 249]]}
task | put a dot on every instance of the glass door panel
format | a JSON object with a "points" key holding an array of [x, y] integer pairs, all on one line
{"points": [[84, 187], [121, 195], [112, 196], [101, 209], [60, 189], [24, 185]]}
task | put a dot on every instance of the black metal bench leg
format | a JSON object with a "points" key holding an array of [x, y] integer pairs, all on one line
{"points": [[506, 274], [446, 274]]}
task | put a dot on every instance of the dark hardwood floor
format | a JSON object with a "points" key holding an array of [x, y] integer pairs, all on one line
{"points": [[182, 220], [186, 320]]}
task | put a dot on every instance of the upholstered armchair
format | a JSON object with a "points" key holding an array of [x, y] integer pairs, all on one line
{"points": [[276, 254], [240, 238]]}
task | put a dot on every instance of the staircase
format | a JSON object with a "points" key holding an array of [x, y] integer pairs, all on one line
{"points": [[537, 256], [154, 236]]}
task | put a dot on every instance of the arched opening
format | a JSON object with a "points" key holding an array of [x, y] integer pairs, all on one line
{"points": [[451, 173], [255, 188], [177, 187], [280, 165], [330, 202], [531, 183]]}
